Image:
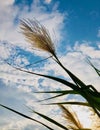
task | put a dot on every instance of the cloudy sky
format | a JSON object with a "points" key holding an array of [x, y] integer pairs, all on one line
{"points": [[74, 26]]}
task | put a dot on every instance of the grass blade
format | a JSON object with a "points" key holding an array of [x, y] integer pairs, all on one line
{"points": [[71, 103], [25, 116], [71, 85], [76, 80], [97, 70], [62, 93], [50, 120], [51, 97]]}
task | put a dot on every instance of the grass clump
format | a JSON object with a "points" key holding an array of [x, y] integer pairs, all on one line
{"points": [[39, 38]]}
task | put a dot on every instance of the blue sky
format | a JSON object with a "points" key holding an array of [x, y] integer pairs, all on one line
{"points": [[74, 26]]}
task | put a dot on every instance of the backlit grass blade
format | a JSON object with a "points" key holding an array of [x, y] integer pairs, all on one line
{"points": [[71, 85], [50, 120], [76, 80], [82, 87], [97, 70], [25, 116], [37, 62], [85, 91], [62, 93], [51, 97], [93, 99], [71, 103]]}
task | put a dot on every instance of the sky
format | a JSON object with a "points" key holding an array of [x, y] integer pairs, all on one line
{"points": [[74, 27]]}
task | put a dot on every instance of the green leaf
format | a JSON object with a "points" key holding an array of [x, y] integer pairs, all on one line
{"points": [[50, 120], [51, 97], [71, 103], [62, 93], [69, 84], [97, 70], [25, 116], [76, 80]]}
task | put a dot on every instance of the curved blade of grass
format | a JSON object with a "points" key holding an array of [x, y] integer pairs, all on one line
{"points": [[93, 99], [37, 62], [76, 80], [93, 103], [25, 116], [84, 91], [62, 93], [93, 89], [81, 85], [97, 70], [54, 78], [87, 94], [97, 99], [71, 85], [51, 97], [71, 103], [50, 120]]}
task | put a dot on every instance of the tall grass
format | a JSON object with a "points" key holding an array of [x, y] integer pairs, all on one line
{"points": [[38, 36]]}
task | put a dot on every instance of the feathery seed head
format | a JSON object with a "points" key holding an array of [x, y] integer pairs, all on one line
{"points": [[95, 124], [71, 117], [37, 35]]}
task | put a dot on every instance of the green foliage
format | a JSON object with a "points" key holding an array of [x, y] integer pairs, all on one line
{"points": [[39, 37]]}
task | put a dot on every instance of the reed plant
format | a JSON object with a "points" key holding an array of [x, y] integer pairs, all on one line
{"points": [[39, 38]]}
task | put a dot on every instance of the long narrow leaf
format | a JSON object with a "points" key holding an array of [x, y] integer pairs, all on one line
{"points": [[62, 93], [71, 103], [71, 85], [25, 116], [50, 120], [84, 91], [78, 82], [51, 97], [97, 70]]}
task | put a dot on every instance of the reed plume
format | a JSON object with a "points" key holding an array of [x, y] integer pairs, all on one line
{"points": [[73, 122], [95, 124], [37, 35]]}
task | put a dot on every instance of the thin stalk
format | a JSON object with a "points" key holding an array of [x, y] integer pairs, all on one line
{"points": [[73, 77], [25, 116]]}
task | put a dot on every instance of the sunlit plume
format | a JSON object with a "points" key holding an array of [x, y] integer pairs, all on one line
{"points": [[95, 124], [72, 121], [37, 35]]}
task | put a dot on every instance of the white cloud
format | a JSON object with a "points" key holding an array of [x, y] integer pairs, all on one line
{"points": [[86, 49], [5, 3], [18, 81], [7, 19], [53, 20]]}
